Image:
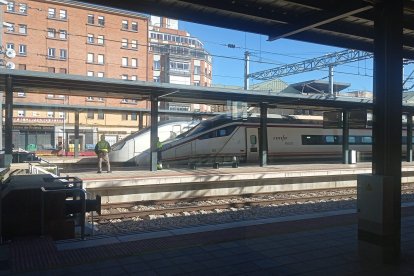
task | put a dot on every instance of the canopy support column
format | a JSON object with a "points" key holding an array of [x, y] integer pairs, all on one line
{"points": [[154, 133], [263, 135]]}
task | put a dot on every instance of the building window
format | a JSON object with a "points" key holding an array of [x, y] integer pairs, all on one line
{"points": [[90, 58], [196, 83], [156, 79], [62, 70], [179, 66], [23, 29], [124, 25], [10, 6], [134, 78], [197, 69], [22, 49], [90, 115], [100, 75], [91, 38], [124, 43], [51, 52], [10, 27], [124, 77], [89, 99], [101, 21], [63, 54], [21, 113], [89, 73], [63, 34], [52, 13], [63, 14], [50, 114], [157, 65], [101, 115], [134, 26], [21, 94], [22, 66], [51, 33], [23, 8], [134, 44], [124, 117], [124, 61], [61, 115], [134, 62], [101, 39], [91, 19], [134, 116], [100, 59], [51, 69], [10, 46]]}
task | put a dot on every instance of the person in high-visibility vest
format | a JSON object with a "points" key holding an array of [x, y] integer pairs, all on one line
{"points": [[102, 149], [159, 161]]}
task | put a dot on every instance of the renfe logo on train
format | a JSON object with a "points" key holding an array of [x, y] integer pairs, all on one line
{"points": [[280, 138]]}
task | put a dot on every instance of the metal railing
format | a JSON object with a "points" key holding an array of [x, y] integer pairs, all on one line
{"points": [[43, 167]]}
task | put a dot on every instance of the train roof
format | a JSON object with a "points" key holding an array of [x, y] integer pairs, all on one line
{"points": [[254, 118]]}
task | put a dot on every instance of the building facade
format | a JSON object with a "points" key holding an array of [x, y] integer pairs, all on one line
{"points": [[178, 58], [69, 37]]}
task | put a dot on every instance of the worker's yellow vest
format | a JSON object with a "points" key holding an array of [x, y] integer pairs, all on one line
{"points": [[103, 146]]}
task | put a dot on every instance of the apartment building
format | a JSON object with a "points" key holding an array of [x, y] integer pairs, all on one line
{"points": [[69, 37], [178, 58]]}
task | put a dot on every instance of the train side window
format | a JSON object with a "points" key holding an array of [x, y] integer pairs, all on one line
{"points": [[221, 132], [207, 135], [352, 139], [253, 139], [312, 140], [366, 140], [330, 139], [225, 131]]}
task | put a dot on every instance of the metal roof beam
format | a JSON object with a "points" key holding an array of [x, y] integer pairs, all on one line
{"points": [[315, 21], [311, 64]]}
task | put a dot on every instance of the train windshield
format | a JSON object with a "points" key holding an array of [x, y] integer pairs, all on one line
{"points": [[120, 144], [207, 124]]}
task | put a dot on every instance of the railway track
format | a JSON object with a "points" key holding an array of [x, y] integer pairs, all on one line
{"points": [[129, 210]]}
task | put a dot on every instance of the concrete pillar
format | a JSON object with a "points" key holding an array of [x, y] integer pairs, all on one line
{"points": [[76, 144], [140, 120], [409, 157], [154, 133], [379, 194], [263, 135], [8, 126]]}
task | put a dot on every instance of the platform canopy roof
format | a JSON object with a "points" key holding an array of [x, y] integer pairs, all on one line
{"points": [[347, 24], [319, 86], [65, 84]]}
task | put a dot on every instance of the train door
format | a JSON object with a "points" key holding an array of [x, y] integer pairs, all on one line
{"points": [[252, 144]]}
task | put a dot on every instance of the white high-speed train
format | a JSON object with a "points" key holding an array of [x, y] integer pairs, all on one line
{"points": [[138, 143], [220, 139]]}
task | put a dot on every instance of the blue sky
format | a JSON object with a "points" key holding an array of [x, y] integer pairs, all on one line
{"points": [[228, 64]]}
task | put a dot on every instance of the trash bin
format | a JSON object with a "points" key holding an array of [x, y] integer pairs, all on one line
{"points": [[352, 156], [31, 147]]}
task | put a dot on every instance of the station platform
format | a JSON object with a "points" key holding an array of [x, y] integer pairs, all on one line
{"points": [[315, 244], [131, 184]]}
